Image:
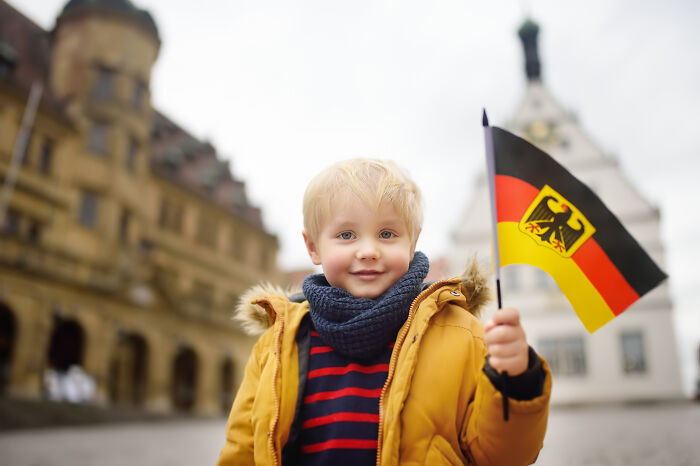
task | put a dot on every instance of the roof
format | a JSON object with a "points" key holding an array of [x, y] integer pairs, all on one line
{"points": [[195, 165], [122, 7], [25, 54], [26, 43]]}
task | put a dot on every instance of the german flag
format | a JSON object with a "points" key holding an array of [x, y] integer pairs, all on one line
{"points": [[548, 218]]}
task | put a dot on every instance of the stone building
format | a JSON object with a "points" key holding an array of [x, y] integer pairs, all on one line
{"points": [[632, 358], [125, 240]]}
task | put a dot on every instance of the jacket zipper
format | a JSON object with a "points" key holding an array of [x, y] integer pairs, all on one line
{"points": [[275, 395], [395, 357]]}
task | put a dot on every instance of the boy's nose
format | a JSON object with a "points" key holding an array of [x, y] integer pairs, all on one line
{"points": [[367, 250]]}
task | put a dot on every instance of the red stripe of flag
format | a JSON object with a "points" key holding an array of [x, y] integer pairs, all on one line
{"points": [[314, 333], [340, 417], [350, 391], [320, 349], [604, 276], [513, 197], [349, 368], [353, 444]]}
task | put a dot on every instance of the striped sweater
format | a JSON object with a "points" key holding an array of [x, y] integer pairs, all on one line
{"points": [[340, 408]]}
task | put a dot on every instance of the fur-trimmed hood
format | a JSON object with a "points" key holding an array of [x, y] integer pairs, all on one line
{"points": [[255, 319]]}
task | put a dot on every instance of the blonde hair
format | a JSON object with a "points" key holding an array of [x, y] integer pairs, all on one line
{"points": [[372, 182]]}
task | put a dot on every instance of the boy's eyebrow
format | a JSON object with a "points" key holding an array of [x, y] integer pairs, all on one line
{"points": [[394, 222], [342, 223]]}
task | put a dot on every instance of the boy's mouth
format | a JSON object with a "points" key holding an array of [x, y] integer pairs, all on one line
{"points": [[366, 274]]}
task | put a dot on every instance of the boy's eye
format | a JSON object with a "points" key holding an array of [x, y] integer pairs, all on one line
{"points": [[346, 235], [386, 234]]}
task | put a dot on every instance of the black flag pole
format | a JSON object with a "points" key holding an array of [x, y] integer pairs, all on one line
{"points": [[491, 174]]}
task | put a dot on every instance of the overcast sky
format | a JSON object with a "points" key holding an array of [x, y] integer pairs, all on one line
{"points": [[283, 88]]}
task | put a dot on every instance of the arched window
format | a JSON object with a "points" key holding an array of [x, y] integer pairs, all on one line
{"points": [[7, 343], [184, 386]]}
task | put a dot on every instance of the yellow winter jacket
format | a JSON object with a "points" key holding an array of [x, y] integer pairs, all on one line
{"points": [[437, 406]]}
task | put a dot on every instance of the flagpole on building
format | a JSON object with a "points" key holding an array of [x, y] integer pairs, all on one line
{"points": [[491, 175], [20, 147]]}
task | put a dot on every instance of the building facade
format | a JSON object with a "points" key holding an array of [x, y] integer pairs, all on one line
{"points": [[125, 241], [632, 358]]}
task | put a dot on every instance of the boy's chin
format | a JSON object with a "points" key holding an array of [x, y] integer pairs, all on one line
{"points": [[368, 294]]}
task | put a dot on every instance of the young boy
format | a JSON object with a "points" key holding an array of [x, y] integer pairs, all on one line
{"points": [[370, 365]]}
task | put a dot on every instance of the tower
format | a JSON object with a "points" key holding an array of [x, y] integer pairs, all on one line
{"points": [[102, 55], [632, 358]]}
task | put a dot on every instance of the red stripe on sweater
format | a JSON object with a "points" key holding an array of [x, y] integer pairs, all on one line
{"points": [[320, 349], [340, 417], [353, 444], [349, 368], [350, 391]]}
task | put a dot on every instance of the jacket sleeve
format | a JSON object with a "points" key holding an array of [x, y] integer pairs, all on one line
{"points": [[490, 440], [238, 449]]}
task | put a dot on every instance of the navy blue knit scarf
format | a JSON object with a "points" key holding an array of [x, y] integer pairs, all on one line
{"points": [[361, 327]]}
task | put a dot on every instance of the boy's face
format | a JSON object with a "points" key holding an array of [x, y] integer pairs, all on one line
{"points": [[361, 250]]}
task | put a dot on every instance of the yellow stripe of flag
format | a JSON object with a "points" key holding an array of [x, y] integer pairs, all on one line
{"points": [[517, 248]]}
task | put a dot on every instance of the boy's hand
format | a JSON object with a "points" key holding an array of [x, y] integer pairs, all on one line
{"points": [[505, 340]]}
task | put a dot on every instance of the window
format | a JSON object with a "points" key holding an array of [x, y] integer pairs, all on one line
{"points": [[34, 232], [11, 224], [164, 213], [170, 216], [26, 153], [566, 356], [238, 244], [103, 89], [138, 93], [633, 359], [97, 138], [46, 156], [124, 227], [131, 153], [206, 231], [8, 58], [88, 209]]}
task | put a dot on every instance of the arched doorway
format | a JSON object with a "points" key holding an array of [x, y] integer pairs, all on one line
{"points": [[7, 343], [184, 388], [128, 369], [67, 344], [226, 387], [65, 378]]}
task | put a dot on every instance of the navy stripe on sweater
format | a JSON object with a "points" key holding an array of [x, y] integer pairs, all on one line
{"points": [[340, 408]]}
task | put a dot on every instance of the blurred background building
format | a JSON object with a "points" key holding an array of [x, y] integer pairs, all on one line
{"points": [[632, 358], [125, 241]]}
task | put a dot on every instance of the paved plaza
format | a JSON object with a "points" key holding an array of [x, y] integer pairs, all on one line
{"points": [[606, 436]]}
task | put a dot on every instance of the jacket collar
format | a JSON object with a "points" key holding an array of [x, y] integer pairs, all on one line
{"points": [[258, 307]]}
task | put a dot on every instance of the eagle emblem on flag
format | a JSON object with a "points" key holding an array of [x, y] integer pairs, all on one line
{"points": [[554, 222]]}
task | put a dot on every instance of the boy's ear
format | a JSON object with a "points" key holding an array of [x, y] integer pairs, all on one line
{"points": [[311, 248]]}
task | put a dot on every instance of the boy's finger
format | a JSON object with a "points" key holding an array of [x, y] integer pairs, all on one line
{"points": [[506, 350], [503, 334], [507, 315]]}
